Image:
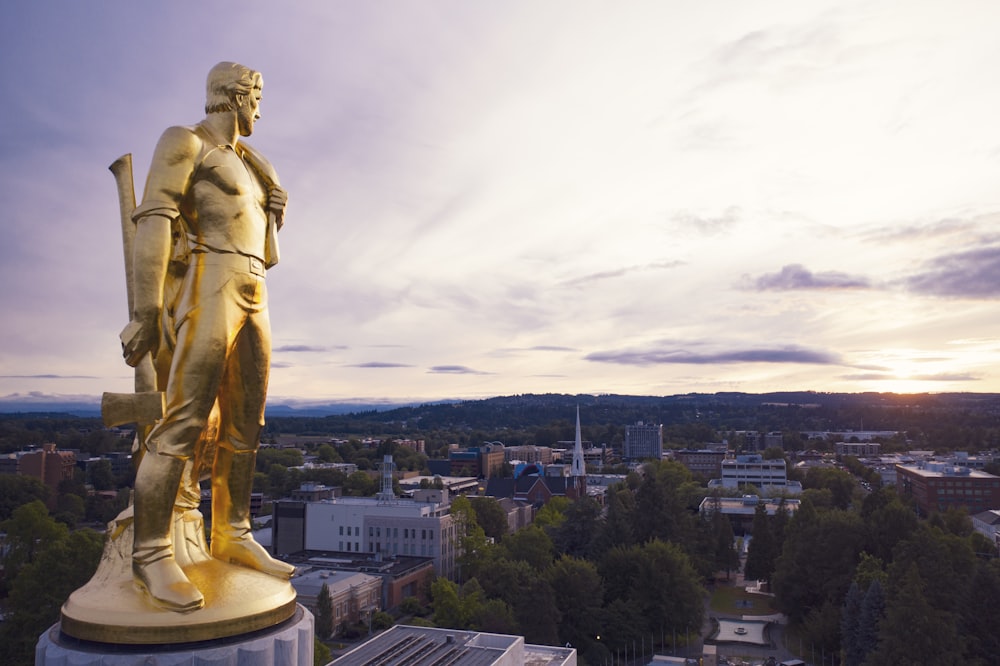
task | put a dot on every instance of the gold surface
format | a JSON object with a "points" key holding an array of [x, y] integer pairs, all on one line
{"points": [[199, 337], [111, 608]]}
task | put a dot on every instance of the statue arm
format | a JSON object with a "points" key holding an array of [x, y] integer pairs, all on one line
{"points": [[169, 176]]}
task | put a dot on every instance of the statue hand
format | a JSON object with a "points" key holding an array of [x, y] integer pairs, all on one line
{"points": [[277, 199], [138, 339]]}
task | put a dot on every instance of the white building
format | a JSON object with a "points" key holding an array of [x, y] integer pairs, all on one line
{"points": [[421, 527], [768, 475]]}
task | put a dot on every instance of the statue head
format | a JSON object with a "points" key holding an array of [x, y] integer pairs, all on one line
{"points": [[226, 82]]}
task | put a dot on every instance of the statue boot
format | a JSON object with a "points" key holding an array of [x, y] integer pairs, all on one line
{"points": [[232, 540], [153, 564]]}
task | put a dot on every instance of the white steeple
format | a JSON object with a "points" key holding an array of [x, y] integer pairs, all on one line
{"points": [[579, 468]]}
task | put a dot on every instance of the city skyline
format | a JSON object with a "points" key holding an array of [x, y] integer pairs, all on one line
{"points": [[566, 197]]}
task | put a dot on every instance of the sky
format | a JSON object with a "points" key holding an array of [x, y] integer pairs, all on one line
{"points": [[486, 198]]}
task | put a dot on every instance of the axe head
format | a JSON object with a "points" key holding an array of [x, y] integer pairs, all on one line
{"points": [[140, 408]]}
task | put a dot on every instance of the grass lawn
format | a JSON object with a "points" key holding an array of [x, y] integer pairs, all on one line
{"points": [[730, 599]]}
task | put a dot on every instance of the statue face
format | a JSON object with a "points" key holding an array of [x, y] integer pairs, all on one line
{"points": [[248, 112]]}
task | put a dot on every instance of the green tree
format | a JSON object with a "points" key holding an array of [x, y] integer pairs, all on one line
{"points": [[29, 530], [60, 564], [579, 592], [850, 617], [818, 560], [914, 631], [359, 484], [724, 555], [17, 490], [616, 528], [840, 483], [981, 615], [658, 579], [531, 545], [872, 612], [321, 653], [324, 613], [761, 553], [102, 475], [326, 453], [446, 604], [490, 516], [575, 536]]}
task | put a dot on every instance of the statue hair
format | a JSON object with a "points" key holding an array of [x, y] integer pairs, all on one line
{"points": [[227, 80]]}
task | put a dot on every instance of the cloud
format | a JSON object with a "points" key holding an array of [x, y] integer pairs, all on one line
{"points": [[379, 364], [796, 276], [969, 274], [619, 272], [664, 355], [455, 370], [305, 348], [939, 377], [707, 225]]}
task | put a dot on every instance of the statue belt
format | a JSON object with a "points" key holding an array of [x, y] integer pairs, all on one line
{"points": [[231, 260]]}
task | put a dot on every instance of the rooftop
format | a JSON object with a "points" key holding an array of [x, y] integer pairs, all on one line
{"points": [[402, 645]]}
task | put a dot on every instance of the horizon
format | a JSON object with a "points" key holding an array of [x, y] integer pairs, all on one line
{"points": [[648, 199]]}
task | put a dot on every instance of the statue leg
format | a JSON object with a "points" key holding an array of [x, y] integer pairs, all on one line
{"points": [[242, 417], [153, 564], [232, 540]]}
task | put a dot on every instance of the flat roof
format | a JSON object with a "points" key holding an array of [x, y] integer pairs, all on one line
{"points": [[404, 644]]}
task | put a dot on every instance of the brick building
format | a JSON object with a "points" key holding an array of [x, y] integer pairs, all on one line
{"points": [[937, 486]]}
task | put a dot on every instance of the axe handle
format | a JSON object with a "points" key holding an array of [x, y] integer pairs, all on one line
{"points": [[145, 375]]}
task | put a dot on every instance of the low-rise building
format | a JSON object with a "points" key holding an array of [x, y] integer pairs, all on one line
{"points": [[987, 523], [937, 486], [741, 510], [769, 475], [355, 596], [859, 449], [403, 644], [421, 526], [401, 577], [704, 462]]}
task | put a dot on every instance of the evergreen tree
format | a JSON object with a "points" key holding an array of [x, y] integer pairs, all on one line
{"points": [[850, 617], [980, 617], [324, 613], [579, 592], [872, 611], [913, 631], [760, 553]]}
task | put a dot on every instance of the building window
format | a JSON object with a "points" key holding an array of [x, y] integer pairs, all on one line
{"points": [[341, 530]]}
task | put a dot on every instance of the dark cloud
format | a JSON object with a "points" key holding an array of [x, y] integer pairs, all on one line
{"points": [[797, 276], [970, 274], [305, 348], [379, 364], [455, 370], [620, 272], [664, 355]]}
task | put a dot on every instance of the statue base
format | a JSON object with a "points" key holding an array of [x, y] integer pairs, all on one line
{"points": [[287, 644], [111, 609]]}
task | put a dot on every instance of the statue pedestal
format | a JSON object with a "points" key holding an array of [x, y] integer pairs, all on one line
{"points": [[287, 644]]}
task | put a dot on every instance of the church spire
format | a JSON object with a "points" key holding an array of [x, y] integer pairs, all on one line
{"points": [[579, 469]]}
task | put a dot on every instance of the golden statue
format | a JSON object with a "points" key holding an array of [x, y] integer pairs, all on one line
{"points": [[197, 248]]}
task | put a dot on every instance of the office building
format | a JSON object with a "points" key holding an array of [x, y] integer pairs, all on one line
{"points": [[937, 486], [643, 442]]}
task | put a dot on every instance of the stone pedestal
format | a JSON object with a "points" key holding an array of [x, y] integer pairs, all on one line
{"points": [[287, 644]]}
